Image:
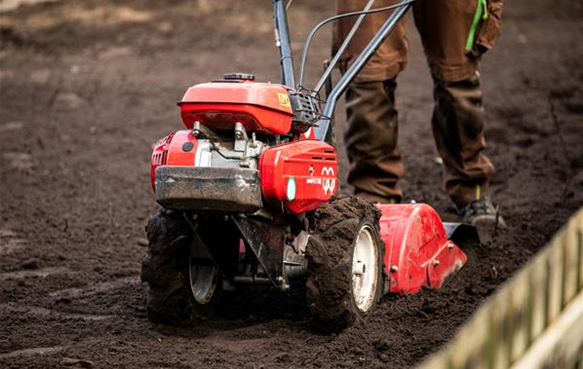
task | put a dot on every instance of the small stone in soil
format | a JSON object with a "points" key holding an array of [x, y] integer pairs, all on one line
{"points": [[380, 345], [30, 264], [80, 362]]}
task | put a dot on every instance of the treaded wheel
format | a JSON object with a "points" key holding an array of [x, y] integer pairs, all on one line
{"points": [[345, 263], [183, 287]]}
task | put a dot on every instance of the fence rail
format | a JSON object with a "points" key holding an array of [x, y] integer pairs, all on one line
{"points": [[534, 321]]}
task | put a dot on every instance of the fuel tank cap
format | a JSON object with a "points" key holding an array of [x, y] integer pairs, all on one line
{"points": [[239, 76]]}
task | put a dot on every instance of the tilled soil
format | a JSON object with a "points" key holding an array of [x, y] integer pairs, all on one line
{"points": [[88, 86]]}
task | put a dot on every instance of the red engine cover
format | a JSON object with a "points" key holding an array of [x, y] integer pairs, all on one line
{"points": [[178, 148], [417, 250], [300, 175], [260, 107]]}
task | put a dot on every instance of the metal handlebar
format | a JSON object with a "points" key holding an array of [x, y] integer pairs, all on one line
{"points": [[282, 40], [283, 43], [323, 131]]}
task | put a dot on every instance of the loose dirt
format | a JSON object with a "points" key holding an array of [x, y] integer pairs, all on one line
{"points": [[88, 86]]}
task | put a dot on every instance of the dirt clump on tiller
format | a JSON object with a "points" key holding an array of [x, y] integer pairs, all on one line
{"points": [[86, 88]]}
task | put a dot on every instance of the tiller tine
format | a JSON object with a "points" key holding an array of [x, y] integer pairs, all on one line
{"points": [[418, 252], [461, 233]]}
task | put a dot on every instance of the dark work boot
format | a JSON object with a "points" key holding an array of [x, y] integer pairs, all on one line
{"points": [[481, 213]]}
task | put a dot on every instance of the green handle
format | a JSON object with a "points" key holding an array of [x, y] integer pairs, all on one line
{"points": [[481, 13]]}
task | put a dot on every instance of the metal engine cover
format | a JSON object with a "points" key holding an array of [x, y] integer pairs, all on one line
{"points": [[261, 107], [187, 174], [299, 175], [231, 190]]}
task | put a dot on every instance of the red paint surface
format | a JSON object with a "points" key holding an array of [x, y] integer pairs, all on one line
{"points": [[260, 107], [168, 151], [417, 246], [312, 164]]}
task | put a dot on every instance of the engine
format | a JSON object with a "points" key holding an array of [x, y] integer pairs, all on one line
{"points": [[248, 146], [202, 170]]}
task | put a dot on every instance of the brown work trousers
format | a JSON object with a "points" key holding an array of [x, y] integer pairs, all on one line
{"points": [[453, 55]]}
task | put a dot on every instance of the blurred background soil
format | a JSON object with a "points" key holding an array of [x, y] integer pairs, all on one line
{"points": [[86, 88]]}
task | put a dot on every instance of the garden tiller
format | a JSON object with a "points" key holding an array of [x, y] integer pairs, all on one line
{"points": [[249, 195]]}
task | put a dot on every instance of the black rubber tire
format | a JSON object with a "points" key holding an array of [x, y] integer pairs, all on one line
{"points": [[329, 252], [166, 270]]}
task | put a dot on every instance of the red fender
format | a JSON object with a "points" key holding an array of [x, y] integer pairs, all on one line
{"points": [[417, 250]]}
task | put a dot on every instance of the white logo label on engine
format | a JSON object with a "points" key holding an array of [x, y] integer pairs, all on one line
{"points": [[329, 171], [329, 184]]}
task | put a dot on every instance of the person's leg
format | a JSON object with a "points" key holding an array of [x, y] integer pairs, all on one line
{"points": [[371, 140], [457, 123], [389, 59], [372, 119], [453, 55]]}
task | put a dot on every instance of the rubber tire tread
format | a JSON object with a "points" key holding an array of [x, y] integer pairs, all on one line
{"points": [[164, 268], [329, 253]]}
